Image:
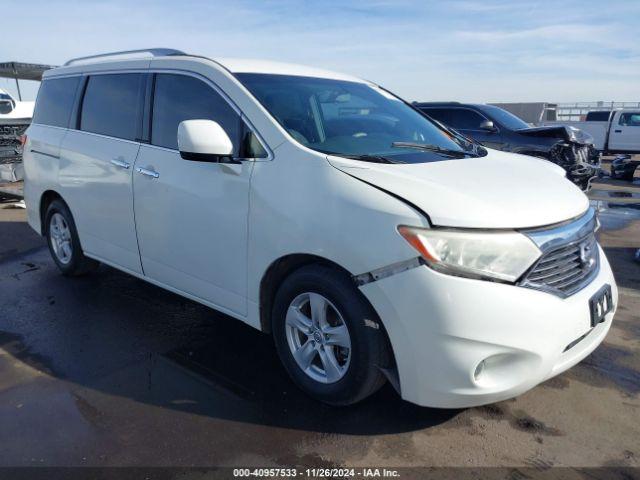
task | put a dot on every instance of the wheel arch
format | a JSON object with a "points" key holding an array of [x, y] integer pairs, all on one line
{"points": [[46, 199], [275, 275], [284, 266]]}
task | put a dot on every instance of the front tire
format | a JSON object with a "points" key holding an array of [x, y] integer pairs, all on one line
{"points": [[328, 336], [63, 241]]}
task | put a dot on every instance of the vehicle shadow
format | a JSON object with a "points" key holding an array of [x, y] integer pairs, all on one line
{"points": [[244, 362], [622, 263], [119, 335]]}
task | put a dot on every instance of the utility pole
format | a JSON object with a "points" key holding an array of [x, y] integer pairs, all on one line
{"points": [[15, 73]]}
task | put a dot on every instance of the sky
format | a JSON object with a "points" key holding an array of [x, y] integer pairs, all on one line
{"points": [[463, 50]]}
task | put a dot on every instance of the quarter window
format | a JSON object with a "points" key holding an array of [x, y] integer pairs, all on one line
{"points": [[55, 101], [180, 97], [112, 105]]}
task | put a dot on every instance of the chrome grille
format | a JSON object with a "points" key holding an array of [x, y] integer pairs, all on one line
{"points": [[566, 269], [10, 148], [570, 258]]}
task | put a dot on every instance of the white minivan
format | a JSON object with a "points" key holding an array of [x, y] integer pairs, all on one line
{"points": [[373, 243]]}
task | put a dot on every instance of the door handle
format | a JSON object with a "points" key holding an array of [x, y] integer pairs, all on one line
{"points": [[618, 131], [119, 163], [147, 172]]}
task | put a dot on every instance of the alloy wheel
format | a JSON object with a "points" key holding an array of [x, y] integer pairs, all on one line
{"points": [[60, 235], [318, 337]]}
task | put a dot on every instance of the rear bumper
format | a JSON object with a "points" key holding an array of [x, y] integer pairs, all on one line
{"points": [[441, 327]]}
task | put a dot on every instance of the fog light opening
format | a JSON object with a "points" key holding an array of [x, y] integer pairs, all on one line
{"points": [[478, 372]]}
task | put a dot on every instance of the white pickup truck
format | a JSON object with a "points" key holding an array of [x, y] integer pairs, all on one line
{"points": [[616, 131]]}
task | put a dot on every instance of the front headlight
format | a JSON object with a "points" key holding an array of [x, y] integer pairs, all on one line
{"points": [[495, 255]]}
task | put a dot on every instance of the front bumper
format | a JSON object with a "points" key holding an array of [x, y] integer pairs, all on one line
{"points": [[441, 327]]}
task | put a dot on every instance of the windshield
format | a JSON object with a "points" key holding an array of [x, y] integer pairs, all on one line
{"points": [[507, 119], [352, 119]]}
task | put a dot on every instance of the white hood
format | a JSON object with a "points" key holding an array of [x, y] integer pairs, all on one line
{"points": [[500, 190], [22, 110]]}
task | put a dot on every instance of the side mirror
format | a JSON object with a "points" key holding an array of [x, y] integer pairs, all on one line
{"points": [[203, 141], [488, 125]]}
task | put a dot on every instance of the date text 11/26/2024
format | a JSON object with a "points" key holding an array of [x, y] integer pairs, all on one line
{"points": [[316, 473]]}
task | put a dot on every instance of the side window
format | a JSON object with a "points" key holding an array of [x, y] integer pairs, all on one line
{"points": [[440, 114], [112, 105], [55, 101], [465, 119], [630, 119], [180, 97]]}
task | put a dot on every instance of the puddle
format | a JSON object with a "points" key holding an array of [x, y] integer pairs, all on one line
{"points": [[616, 216], [15, 347], [613, 194]]}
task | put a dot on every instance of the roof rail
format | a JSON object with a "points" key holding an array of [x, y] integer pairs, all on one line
{"points": [[425, 104], [155, 52]]}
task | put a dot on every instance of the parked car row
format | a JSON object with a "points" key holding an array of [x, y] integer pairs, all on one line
{"points": [[15, 117], [494, 127], [613, 131], [14, 120], [371, 241]]}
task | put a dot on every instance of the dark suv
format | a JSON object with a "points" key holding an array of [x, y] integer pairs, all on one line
{"points": [[494, 127]]}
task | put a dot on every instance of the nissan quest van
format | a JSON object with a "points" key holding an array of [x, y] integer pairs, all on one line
{"points": [[373, 243]]}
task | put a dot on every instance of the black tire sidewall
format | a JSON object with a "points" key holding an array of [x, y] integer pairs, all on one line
{"points": [[77, 257], [368, 346]]}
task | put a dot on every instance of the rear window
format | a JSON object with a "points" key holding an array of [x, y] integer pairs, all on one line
{"points": [[112, 105], [598, 116], [55, 101]]}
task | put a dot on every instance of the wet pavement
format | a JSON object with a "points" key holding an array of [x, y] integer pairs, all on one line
{"points": [[109, 370]]}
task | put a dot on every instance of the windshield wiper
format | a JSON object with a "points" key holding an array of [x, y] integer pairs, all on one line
{"points": [[431, 148], [370, 158]]}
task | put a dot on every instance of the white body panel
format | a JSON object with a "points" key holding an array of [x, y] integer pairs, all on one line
{"points": [[192, 225], [211, 231], [41, 160], [101, 193]]}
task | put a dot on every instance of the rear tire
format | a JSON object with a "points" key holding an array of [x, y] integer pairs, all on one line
{"points": [[335, 365], [63, 241]]}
